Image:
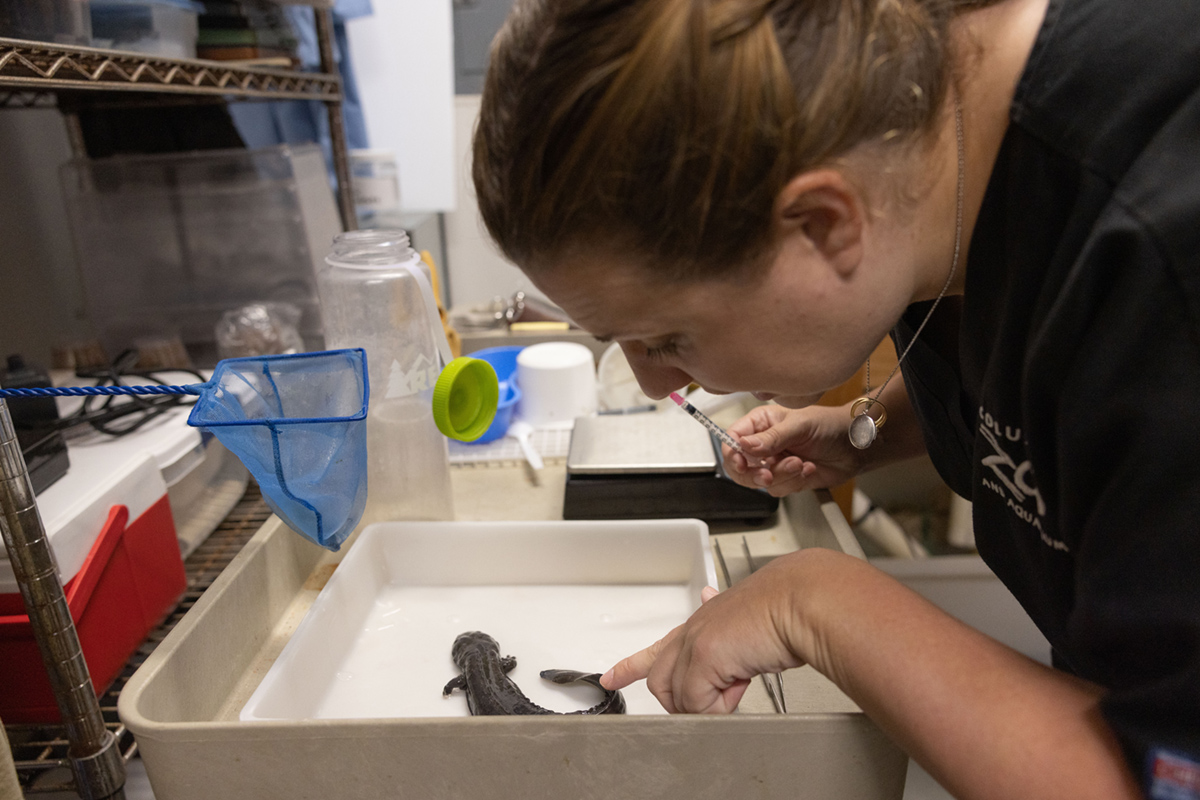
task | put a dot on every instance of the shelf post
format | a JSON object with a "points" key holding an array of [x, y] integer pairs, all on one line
{"points": [[95, 757], [337, 127]]}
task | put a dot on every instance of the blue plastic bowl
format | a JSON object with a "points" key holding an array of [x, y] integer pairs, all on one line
{"points": [[504, 361]]}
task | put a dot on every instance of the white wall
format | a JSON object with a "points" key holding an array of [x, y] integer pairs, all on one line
{"points": [[403, 57], [404, 63], [477, 270]]}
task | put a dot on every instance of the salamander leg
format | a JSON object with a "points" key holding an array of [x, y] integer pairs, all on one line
{"points": [[508, 664], [459, 682]]}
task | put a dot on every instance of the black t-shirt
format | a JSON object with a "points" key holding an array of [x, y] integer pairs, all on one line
{"points": [[1068, 407]]}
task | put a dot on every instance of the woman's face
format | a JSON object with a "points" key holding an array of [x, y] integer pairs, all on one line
{"points": [[791, 334]]}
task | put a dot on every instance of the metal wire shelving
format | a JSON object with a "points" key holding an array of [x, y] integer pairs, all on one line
{"points": [[39, 67], [40, 752], [46, 75], [42, 74]]}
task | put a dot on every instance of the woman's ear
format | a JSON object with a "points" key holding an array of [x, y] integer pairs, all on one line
{"points": [[824, 208]]}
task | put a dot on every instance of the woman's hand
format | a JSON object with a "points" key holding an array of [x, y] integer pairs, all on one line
{"points": [[797, 449], [983, 719], [809, 448], [705, 665]]}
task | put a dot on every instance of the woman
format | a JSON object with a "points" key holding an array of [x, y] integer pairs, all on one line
{"points": [[749, 195]]}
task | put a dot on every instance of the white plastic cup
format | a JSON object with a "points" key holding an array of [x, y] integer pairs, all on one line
{"points": [[558, 383]]}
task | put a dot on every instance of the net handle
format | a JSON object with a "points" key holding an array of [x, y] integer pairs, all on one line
{"points": [[91, 391]]}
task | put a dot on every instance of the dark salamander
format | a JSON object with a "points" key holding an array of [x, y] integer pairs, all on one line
{"points": [[490, 692]]}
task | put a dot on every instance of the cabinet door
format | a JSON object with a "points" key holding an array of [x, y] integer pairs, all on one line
{"points": [[475, 25]]}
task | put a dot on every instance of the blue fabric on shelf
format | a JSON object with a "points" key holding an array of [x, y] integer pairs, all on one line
{"points": [[305, 121]]}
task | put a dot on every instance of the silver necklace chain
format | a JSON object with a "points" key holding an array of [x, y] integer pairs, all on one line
{"points": [[958, 220]]}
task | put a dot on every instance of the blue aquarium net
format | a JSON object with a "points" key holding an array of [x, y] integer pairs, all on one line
{"points": [[298, 423]]}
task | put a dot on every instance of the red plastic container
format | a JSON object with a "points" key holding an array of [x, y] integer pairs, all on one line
{"points": [[133, 576]]}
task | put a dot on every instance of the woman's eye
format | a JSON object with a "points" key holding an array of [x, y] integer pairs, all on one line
{"points": [[662, 351]]}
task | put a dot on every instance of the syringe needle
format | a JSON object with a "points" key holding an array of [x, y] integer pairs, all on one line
{"points": [[717, 430]]}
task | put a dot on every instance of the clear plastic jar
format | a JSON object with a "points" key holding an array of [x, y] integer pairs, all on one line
{"points": [[372, 297], [375, 180]]}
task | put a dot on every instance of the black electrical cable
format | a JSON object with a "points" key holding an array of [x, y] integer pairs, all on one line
{"points": [[107, 413]]}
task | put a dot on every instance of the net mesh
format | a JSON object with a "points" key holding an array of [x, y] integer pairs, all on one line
{"points": [[298, 423]]}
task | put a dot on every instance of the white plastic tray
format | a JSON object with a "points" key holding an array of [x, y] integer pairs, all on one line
{"points": [[564, 595], [183, 703]]}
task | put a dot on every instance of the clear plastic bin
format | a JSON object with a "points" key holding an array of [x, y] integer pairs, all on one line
{"points": [[165, 28], [168, 243], [58, 21]]}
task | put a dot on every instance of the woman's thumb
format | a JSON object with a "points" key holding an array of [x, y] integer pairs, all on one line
{"points": [[775, 438]]}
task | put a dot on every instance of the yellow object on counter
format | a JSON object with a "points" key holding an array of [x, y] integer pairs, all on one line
{"points": [[451, 334], [547, 325]]}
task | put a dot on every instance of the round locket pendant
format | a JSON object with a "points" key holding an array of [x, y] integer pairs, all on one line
{"points": [[862, 431], [864, 427]]}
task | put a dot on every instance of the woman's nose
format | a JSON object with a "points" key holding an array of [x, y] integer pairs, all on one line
{"points": [[657, 380]]}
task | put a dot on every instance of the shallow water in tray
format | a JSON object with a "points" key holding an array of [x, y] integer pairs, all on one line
{"points": [[399, 663]]}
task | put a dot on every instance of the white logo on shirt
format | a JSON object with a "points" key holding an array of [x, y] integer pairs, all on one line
{"points": [[1016, 482]]}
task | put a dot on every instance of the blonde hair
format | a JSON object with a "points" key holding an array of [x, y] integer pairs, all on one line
{"points": [[670, 126]]}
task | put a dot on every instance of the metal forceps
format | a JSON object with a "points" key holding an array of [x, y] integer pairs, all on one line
{"points": [[776, 695], [782, 704]]}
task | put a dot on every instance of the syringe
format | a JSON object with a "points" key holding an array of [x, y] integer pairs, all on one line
{"points": [[717, 430]]}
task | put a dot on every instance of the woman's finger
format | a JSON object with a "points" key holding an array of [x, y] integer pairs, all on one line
{"points": [[658, 681], [637, 666]]}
